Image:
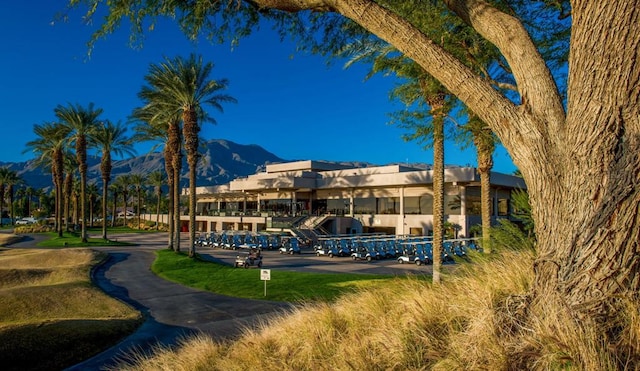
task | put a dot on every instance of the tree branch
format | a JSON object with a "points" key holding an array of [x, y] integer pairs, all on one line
{"points": [[519, 130], [535, 83]]}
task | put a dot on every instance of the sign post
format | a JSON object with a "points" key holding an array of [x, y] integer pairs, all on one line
{"points": [[265, 275]]}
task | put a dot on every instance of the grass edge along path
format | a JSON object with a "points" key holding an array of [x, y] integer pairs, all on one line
{"points": [[284, 285], [70, 239], [51, 316]]}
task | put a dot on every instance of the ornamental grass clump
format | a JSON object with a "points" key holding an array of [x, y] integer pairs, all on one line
{"points": [[479, 318]]}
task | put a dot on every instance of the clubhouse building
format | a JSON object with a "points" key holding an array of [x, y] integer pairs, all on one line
{"points": [[320, 198]]}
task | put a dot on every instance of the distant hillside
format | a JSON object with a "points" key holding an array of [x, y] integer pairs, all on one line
{"points": [[221, 162]]}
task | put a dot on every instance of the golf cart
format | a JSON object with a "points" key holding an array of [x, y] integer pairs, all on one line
{"points": [[252, 259], [290, 246]]}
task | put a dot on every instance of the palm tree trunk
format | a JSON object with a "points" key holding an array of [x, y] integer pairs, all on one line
{"points": [[168, 163], [68, 183], [139, 207], [159, 194], [176, 208], [81, 148], [438, 195], [484, 150], [176, 152], [191, 132], [114, 210], [105, 193], [436, 102], [124, 212], [1, 202]]}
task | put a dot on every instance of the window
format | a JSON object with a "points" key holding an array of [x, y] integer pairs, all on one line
{"points": [[364, 205], [452, 205], [473, 205], [503, 206], [388, 205], [418, 205]]}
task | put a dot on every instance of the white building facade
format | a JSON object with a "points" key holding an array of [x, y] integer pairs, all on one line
{"points": [[337, 199]]}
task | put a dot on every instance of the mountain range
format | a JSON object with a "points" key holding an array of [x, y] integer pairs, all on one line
{"points": [[222, 161]]}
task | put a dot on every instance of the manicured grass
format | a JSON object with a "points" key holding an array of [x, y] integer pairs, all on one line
{"points": [[245, 283], [51, 317], [74, 240], [119, 229]]}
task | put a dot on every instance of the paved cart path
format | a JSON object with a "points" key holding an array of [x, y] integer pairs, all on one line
{"points": [[172, 311]]}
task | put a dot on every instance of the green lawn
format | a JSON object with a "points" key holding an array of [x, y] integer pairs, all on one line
{"points": [[74, 240], [245, 283]]}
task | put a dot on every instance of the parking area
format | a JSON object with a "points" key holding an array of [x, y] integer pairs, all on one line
{"points": [[307, 261]]}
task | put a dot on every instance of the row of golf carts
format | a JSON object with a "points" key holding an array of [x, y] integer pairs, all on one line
{"points": [[416, 250], [252, 243], [242, 240]]}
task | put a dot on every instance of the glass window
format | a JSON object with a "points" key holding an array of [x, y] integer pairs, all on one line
{"points": [[452, 205], [473, 205], [388, 205], [364, 205], [338, 206], [503, 206], [418, 205]]}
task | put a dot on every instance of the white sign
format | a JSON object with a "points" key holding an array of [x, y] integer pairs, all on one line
{"points": [[265, 274]]}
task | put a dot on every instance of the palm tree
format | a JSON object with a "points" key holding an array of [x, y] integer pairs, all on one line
{"points": [[82, 122], [183, 86], [14, 180], [475, 131], [50, 146], [4, 176], [110, 139], [158, 124], [157, 180], [70, 167], [92, 193], [124, 182], [115, 189], [138, 180]]}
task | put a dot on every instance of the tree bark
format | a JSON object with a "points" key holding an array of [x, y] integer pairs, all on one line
{"points": [[191, 139], [484, 149], [582, 167], [176, 150], [585, 204], [105, 169], [168, 163], [81, 155]]}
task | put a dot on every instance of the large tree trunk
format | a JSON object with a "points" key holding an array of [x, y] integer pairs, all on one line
{"points": [[585, 197], [582, 167]]}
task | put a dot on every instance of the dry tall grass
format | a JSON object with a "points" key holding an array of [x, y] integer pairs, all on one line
{"points": [[411, 325], [50, 315]]}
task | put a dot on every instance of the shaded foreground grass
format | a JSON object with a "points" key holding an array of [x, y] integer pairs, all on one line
{"points": [[8, 238], [470, 322], [51, 317], [246, 283]]}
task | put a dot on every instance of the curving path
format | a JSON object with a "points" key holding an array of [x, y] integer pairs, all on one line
{"points": [[172, 311]]}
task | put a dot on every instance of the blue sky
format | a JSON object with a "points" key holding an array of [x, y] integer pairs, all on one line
{"points": [[293, 105]]}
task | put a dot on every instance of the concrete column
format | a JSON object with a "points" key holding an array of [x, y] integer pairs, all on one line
{"points": [[402, 218]]}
